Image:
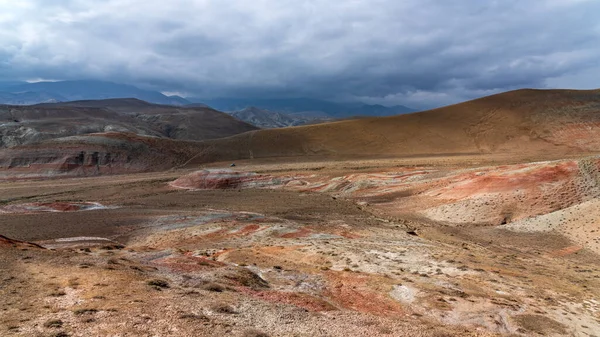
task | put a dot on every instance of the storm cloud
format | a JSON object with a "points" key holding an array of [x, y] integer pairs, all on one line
{"points": [[415, 52]]}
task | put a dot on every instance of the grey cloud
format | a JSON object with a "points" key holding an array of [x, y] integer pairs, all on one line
{"points": [[420, 52]]}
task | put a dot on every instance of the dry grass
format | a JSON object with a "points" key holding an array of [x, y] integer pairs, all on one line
{"points": [[53, 323], [222, 308], [158, 283], [254, 333]]}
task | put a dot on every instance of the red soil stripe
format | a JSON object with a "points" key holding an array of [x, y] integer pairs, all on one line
{"points": [[565, 251]]}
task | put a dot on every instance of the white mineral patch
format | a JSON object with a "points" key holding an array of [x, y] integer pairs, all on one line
{"points": [[404, 294], [81, 238]]}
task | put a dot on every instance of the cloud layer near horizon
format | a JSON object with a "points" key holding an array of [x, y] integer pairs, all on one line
{"points": [[414, 52]]}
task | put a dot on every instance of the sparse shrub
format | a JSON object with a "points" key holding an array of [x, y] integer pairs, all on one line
{"points": [[222, 308], [254, 333], [215, 287], [246, 278], [61, 334], [85, 311], [442, 334], [112, 247], [53, 323], [158, 283], [58, 293], [385, 330], [194, 317]]}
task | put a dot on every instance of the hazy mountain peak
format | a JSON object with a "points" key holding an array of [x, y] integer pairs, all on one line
{"points": [[87, 90], [303, 105]]}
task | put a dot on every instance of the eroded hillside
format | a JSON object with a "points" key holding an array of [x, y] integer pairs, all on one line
{"points": [[524, 124], [403, 247]]}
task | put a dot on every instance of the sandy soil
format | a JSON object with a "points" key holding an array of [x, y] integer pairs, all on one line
{"points": [[333, 249]]}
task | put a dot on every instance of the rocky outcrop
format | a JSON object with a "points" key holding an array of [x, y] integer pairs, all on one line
{"points": [[105, 153], [51, 207], [8, 242], [225, 179]]}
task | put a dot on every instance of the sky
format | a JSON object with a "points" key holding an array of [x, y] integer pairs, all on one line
{"points": [[419, 53]]}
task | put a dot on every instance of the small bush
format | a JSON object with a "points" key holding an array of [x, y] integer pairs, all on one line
{"points": [[85, 311], [53, 323], [215, 287], [158, 283], [194, 317], [112, 247], [222, 308], [61, 334], [254, 333], [247, 278]]}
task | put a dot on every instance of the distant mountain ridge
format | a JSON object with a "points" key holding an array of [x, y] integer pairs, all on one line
{"points": [[61, 91], [267, 119], [22, 93], [29, 98], [522, 124], [305, 106]]}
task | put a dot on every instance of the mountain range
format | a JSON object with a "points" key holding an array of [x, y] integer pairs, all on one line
{"points": [[307, 107], [61, 91], [22, 93], [267, 119]]}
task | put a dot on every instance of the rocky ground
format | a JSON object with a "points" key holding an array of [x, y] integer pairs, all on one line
{"points": [[444, 246]]}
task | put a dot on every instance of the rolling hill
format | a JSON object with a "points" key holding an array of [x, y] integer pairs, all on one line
{"points": [[522, 123], [27, 124]]}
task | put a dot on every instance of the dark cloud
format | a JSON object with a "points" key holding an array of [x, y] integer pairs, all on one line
{"points": [[416, 52]]}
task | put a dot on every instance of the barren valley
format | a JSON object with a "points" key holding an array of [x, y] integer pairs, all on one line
{"points": [[480, 219]]}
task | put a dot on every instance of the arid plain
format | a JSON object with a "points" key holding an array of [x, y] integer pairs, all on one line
{"points": [[480, 219]]}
